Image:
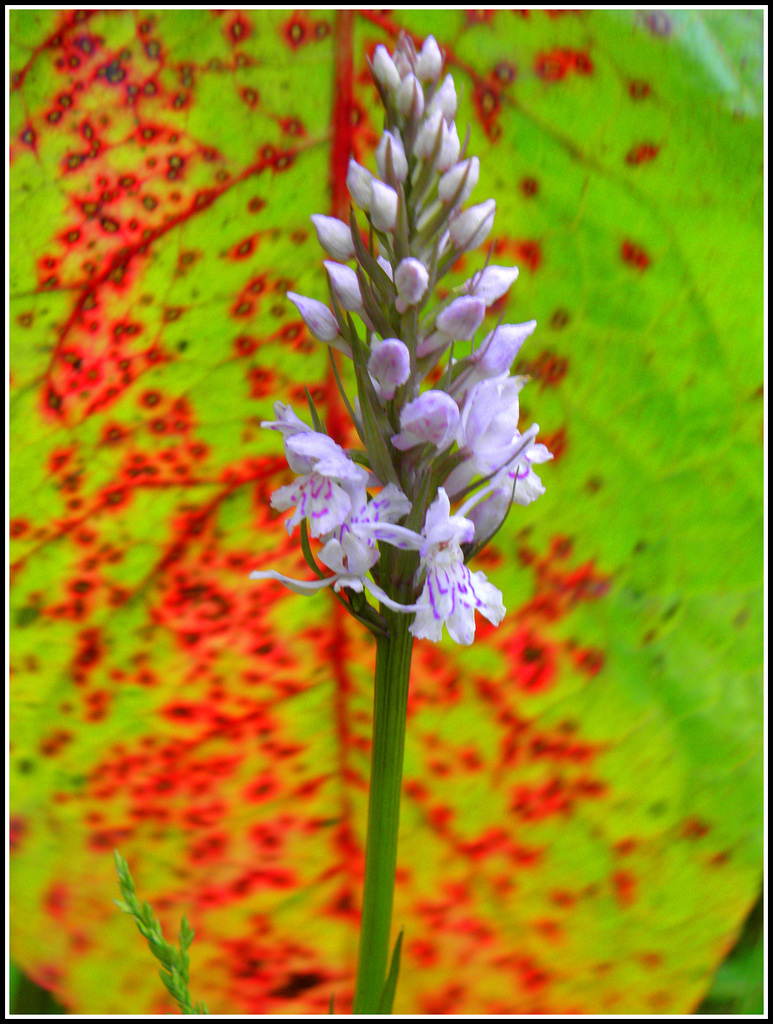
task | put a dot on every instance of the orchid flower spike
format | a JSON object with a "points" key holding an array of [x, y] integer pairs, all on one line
{"points": [[440, 465]]}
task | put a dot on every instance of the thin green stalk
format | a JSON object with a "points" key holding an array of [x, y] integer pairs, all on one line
{"points": [[393, 670]]}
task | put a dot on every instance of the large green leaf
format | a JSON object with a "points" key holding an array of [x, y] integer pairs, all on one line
{"points": [[581, 829]]}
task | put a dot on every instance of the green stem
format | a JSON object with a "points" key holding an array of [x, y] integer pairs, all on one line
{"points": [[393, 670]]}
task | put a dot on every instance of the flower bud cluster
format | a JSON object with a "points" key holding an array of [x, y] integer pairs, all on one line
{"points": [[424, 447]]}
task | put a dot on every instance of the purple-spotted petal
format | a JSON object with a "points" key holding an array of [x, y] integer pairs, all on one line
{"points": [[322, 502]]}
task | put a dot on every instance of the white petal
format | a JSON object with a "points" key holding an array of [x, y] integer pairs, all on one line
{"points": [[297, 586]]}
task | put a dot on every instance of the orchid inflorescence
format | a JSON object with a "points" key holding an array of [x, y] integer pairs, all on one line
{"points": [[425, 448]]}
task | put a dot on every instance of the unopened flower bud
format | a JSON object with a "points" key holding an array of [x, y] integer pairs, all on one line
{"points": [[383, 206], [497, 351], [411, 280], [287, 421], [472, 226], [450, 147], [444, 99], [458, 183], [391, 148], [358, 181], [426, 138], [488, 429], [404, 56], [343, 281], [462, 318], [410, 97], [317, 317], [334, 235], [385, 70], [433, 417], [390, 364], [492, 283], [489, 514], [429, 62]]}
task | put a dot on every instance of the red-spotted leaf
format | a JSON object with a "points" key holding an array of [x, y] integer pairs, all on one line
{"points": [[581, 828]]}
